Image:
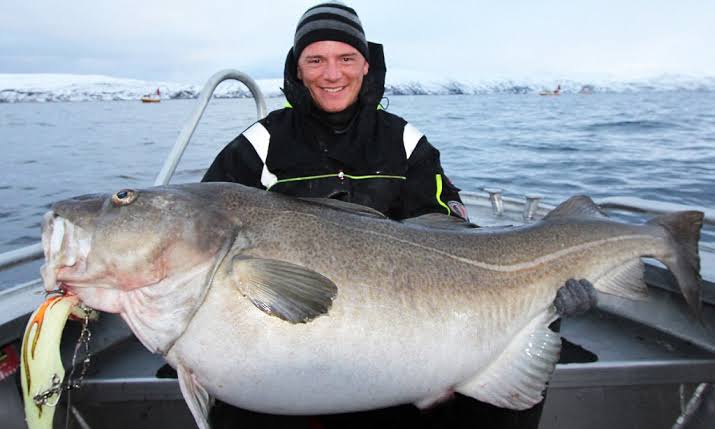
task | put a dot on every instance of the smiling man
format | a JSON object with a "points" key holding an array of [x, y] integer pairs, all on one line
{"points": [[334, 140]]}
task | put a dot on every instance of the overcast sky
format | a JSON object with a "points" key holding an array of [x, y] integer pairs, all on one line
{"points": [[188, 40]]}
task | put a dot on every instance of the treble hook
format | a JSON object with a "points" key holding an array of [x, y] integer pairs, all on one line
{"points": [[57, 291]]}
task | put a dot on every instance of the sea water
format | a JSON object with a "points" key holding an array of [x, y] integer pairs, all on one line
{"points": [[653, 145]]}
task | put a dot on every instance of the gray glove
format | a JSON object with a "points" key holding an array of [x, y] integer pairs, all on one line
{"points": [[575, 297]]}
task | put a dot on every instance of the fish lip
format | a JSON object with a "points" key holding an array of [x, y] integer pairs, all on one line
{"points": [[66, 248], [48, 226]]}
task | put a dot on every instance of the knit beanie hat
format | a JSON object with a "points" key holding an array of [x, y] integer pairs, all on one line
{"points": [[330, 21]]}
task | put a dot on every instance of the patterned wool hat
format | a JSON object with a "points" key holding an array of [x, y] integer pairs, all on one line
{"points": [[330, 21]]}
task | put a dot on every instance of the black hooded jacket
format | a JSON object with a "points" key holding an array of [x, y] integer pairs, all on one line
{"points": [[359, 155]]}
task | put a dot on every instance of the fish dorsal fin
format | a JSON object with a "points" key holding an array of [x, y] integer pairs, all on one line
{"points": [[441, 221], [517, 378], [345, 207], [288, 291], [577, 206]]}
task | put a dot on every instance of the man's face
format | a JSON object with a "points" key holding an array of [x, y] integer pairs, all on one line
{"points": [[333, 73]]}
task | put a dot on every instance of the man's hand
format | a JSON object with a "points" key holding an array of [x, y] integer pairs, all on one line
{"points": [[575, 297]]}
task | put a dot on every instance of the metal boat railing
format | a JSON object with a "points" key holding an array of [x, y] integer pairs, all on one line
{"points": [[183, 140], [531, 206], [18, 256]]}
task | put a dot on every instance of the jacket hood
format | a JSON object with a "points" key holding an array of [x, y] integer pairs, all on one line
{"points": [[371, 92]]}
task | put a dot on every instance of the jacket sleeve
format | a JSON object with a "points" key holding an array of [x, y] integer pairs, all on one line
{"points": [[428, 188], [237, 162]]}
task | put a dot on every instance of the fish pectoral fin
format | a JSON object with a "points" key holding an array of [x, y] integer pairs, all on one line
{"points": [[517, 378], [625, 281], [196, 397], [288, 291]]}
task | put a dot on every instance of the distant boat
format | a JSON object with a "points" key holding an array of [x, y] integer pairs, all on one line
{"points": [[556, 91], [586, 90], [152, 97]]}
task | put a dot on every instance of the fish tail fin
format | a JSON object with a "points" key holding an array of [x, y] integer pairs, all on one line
{"points": [[683, 229]]}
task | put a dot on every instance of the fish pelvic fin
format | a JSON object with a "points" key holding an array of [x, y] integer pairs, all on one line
{"points": [[288, 291], [517, 378], [683, 229], [197, 398]]}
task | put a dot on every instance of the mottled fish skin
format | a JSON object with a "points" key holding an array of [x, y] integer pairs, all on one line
{"points": [[395, 313]]}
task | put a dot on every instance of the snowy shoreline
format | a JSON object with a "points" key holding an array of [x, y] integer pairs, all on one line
{"points": [[17, 88]]}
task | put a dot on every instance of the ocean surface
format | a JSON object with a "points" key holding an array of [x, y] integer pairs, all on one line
{"points": [[652, 145]]}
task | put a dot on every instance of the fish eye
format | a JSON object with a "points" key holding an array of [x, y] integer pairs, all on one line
{"points": [[124, 197]]}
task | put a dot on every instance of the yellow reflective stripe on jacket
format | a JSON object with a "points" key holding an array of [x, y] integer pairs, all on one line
{"points": [[349, 176], [438, 178]]}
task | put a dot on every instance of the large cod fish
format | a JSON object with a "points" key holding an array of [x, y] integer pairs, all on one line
{"points": [[287, 306]]}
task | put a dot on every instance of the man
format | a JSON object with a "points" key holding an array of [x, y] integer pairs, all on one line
{"points": [[334, 141]]}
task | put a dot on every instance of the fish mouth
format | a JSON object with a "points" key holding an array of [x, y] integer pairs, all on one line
{"points": [[66, 247]]}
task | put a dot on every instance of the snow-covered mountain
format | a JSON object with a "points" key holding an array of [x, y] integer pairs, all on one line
{"points": [[70, 87]]}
